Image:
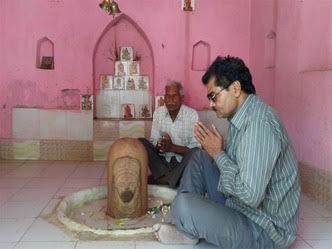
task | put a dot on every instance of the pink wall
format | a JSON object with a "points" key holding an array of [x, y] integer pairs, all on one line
{"points": [[298, 85], [74, 27], [263, 22], [302, 85], [225, 25]]}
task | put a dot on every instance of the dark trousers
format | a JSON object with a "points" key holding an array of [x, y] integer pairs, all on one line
{"points": [[158, 165]]}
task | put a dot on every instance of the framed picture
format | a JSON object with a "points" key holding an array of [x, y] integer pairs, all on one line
{"points": [[131, 82], [159, 101], [145, 111], [143, 83], [121, 68], [118, 83], [128, 111], [127, 54], [106, 81], [86, 102], [188, 5], [47, 62], [133, 68]]}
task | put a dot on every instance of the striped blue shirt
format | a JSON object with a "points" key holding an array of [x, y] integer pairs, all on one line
{"points": [[258, 171]]}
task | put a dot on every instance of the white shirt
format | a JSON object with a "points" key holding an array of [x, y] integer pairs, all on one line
{"points": [[180, 131]]}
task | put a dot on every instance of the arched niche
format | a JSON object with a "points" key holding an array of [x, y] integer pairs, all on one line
{"points": [[201, 56], [45, 54], [120, 32]]}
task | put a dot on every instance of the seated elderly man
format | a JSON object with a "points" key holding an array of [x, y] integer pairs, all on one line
{"points": [[172, 140]]}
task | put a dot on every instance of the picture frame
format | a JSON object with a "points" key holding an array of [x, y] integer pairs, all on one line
{"points": [[86, 102], [118, 83], [145, 111], [159, 101], [187, 5], [106, 82], [131, 82], [133, 68], [128, 111], [121, 68], [127, 54], [143, 82]]}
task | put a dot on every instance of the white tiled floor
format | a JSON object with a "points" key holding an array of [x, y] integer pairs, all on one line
{"points": [[30, 189]]}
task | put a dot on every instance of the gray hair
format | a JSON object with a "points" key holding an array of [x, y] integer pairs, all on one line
{"points": [[177, 84]]}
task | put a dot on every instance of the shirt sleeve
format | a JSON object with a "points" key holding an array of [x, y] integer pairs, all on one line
{"points": [[193, 143], [256, 156], [155, 128]]}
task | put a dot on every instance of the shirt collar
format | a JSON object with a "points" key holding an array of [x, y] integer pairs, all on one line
{"points": [[178, 117], [238, 119]]}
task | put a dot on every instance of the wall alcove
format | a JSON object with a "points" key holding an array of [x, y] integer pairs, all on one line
{"points": [[121, 32], [45, 54], [201, 56]]}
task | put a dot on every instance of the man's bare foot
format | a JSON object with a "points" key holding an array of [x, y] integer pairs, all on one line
{"points": [[168, 234]]}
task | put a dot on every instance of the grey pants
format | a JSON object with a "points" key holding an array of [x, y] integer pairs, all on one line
{"points": [[160, 167], [199, 210]]}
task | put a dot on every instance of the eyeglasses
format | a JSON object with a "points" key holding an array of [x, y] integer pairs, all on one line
{"points": [[213, 96]]}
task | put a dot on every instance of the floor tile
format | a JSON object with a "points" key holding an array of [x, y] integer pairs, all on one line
{"points": [[5, 194], [94, 163], [13, 182], [300, 244], [320, 244], [27, 171], [45, 245], [5, 168], [156, 244], [30, 209], [50, 207], [7, 245], [81, 183], [88, 172], [41, 230], [105, 245], [33, 194], [103, 181], [11, 230], [58, 171], [44, 183]]}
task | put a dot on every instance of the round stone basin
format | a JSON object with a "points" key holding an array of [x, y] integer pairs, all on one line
{"points": [[85, 211]]}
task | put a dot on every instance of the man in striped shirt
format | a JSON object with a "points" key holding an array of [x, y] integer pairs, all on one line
{"points": [[244, 194]]}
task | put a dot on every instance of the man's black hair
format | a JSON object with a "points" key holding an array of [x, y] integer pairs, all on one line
{"points": [[228, 69]]}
